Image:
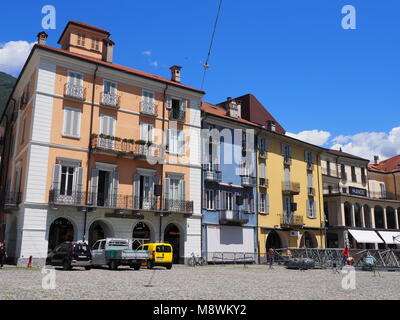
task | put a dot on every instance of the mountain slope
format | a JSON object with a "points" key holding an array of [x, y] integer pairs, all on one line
{"points": [[6, 84]]}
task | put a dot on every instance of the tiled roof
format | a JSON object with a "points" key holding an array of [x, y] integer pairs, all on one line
{"points": [[387, 166], [344, 154], [117, 67]]}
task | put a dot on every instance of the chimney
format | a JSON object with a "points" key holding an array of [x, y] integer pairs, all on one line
{"points": [[108, 48], [176, 73], [376, 159], [42, 36]]}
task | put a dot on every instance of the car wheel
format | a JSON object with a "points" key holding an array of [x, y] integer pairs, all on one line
{"points": [[169, 266], [87, 268], [66, 265], [150, 264], [136, 266], [113, 265]]}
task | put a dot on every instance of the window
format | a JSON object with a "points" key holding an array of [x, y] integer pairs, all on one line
{"points": [[72, 122], [310, 180], [23, 130], [353, 174], [383, 190], [110, 87], [229, 201], [95, 44], [81, 40], [107, 125], [286, 152], [343, 172], [328, 168], [262, 145], [263, 203], [176, 141], [363, 176], [210, 199], [18, 176], [311, 211], [174, 189], [102, 245], [146, 131], [75, 78], [96, 246], [148, 105], [67, 180]]}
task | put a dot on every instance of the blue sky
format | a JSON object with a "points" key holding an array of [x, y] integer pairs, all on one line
{"points": [[294, 56]]}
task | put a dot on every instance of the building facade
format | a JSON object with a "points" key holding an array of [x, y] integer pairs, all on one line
{"points": [[361, 201], [93, 149], [229, 222]]}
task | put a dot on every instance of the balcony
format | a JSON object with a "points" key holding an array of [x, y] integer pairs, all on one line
{"points": [[177, 115], [182, 206], [212, 173], [287, 161], [262, 154], [127, 148], [110, 100], [310, 166], [292, 221], [311, 191], [148, 108], [289, 187], [249, 182], [12, 200], [263, 182], [75, 91], [232, 217]]}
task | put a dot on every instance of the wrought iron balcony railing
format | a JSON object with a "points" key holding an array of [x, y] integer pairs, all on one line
{"points": [[177, 115], [148, 108], [291, 187], [119, 201], [248, 181], [292, 220], [311, 191], [183, 206], [287, 161], [110, 99], [233, 217], [212, 172], [75, 91], [12, 199], [122, 147]]}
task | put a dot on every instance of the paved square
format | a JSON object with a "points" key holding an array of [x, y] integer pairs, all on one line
{"points": [[208, 282]]}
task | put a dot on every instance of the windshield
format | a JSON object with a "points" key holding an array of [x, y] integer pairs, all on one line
{"points": [[81, 248]]}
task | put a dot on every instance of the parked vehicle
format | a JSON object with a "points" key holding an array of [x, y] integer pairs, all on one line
{"points": [[114, 252], [71, 254], [160, 254]]}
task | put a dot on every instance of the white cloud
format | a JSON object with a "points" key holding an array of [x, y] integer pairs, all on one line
{"points": [[317, 137], [146, 53], [154, 63], [13, 55], [368, 144]]}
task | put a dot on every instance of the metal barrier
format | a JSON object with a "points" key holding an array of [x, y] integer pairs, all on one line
{"points": [[230, 257]]}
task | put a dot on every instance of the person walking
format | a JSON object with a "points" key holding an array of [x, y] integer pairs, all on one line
{"points": [[270, 257], [345, 253], [3, 254]]}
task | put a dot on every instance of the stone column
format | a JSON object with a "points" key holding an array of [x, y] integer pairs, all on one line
{"points": [[384, 218], [353, 216], [372, 216], [362, 216], [342, 220]]}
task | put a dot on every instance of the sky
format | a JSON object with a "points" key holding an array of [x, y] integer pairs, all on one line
{"points": [[326, 85]]}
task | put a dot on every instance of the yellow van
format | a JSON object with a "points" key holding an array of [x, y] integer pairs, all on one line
{"points": [[160, 254]]}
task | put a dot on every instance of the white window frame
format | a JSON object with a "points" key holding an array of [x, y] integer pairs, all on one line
{"points": [[178, 141], [75, 72], [67, 134], [210, 196], [150, 131], [263, 202]]}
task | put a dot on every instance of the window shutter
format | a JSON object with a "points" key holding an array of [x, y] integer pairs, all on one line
{"points": [[217, 200], [183, 191], [136, 190], [223, 200], [315, 209], [166, 188], [308, 209], [267, 203], [79, 181], [56, 177], [184, 105], [205, 199], [93, 186], [169, 103], [76, 123], [181, 143], [67, 122]]}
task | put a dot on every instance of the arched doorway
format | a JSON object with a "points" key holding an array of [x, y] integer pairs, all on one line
{"points": [[357, 215], [347, 214], [141, 232], [391, 219], [273, 241], [172, 236], [61, 230], [98, 230], [308, 241], [379, 217], [367, 216]]}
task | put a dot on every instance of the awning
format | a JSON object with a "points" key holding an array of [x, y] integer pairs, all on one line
{"points": [[390, 237], [365, 236]]}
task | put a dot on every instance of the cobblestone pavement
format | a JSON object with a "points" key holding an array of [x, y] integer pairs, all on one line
{"points": [[208, 282]]}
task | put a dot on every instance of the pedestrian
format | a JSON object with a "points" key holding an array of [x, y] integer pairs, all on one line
{"points": [[270, 257], [345, 253], [3, 254]]}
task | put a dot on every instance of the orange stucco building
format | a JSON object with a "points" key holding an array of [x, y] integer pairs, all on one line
{"points": [[94, 149]]}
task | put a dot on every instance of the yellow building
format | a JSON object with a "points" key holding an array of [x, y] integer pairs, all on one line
{"points": [[289, 178]]}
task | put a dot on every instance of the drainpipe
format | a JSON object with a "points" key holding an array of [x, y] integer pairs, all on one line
{"points": [[162, 164], [90, 150]]}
